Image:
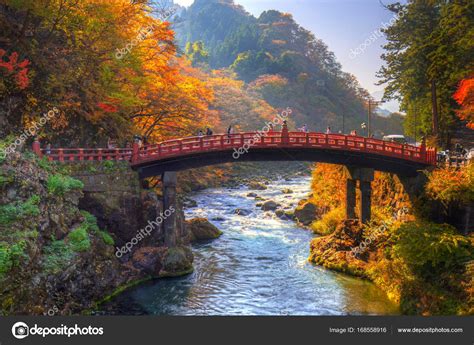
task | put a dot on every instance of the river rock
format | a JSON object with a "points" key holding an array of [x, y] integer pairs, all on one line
{"points": [[290, 214], [306, 212], [200, 229], [257, 185], [252, 195], [177, 261], [190, 203], [270, 205], [280, 214], [287, 191], [242, 212], [259, 204]]}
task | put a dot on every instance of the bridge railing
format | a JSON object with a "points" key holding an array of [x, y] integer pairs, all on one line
{"points": [[176, 147], [79, 155], [248, 140]]}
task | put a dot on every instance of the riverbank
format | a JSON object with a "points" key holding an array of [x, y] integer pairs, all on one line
{"points": [[424, 267]]}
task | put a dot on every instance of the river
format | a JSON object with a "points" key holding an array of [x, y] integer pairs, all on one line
{"points": [[258, 267]]}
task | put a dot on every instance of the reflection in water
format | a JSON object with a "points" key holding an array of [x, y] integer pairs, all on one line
{"points": [[258, 267]]}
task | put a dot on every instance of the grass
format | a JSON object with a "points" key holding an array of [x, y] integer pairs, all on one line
{"points": [[15, 211], [91, 223], [10, 256], [59, 184], [79, 240]]}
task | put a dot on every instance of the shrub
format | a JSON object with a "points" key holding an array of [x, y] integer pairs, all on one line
{"points": [[429, 248], [90, 223], [105, 236], [328, 223], [59, 184], [10, 255], [12, 212], [79, 239], [45, 164], [450, 184], [109, 166]]}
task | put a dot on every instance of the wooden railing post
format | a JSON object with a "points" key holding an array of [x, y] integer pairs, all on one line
{"points": [[61, 155], [135, 152], [99, 158], [37, 148], [285, 135]]}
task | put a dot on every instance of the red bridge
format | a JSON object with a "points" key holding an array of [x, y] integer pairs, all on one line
{"points": [[193, 152]]}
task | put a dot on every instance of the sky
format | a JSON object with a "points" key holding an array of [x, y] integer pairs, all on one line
{"points": [[344, 25]]}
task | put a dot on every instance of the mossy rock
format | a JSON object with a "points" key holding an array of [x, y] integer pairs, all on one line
{"points": [[306, 213], [177, 261], [200, 229]]}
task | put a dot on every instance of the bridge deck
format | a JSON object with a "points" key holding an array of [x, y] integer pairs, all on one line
{"points": [[240, 142]]}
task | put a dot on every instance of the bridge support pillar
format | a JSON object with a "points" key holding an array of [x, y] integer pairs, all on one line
{"points": [[350, 198], [365, 201], [365, 177], [169, 180]]}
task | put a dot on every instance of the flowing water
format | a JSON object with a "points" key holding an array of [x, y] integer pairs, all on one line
{"points": [[258, 267]]}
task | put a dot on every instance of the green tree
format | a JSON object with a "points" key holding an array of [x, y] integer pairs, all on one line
{"points": [[430, 49]]}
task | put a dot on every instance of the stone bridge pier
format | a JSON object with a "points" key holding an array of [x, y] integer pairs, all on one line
{"points": [[170, 228], [361, 178]]}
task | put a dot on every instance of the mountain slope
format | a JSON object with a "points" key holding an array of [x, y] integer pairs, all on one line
{"points": [[282, 61]]}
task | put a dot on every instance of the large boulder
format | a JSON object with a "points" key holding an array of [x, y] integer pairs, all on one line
{"points": [[306, 212], [177, 261], [270, 205], [200, 229]]}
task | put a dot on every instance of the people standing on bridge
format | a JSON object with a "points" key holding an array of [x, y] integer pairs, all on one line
{"points": [[209, 132], [145, 143], [48, 148], [328, 130], [270, 128], [304, 129], [200, 133], [230, 131]]}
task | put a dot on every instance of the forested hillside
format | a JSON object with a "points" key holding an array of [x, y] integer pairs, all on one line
{"points": [[283, 62]]}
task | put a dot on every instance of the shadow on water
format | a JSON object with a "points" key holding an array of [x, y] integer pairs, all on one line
{"points": [[258, 267]]}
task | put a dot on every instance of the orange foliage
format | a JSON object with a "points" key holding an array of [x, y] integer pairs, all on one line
{"points": [[465, 98], [451, 184], [328, 185]]}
